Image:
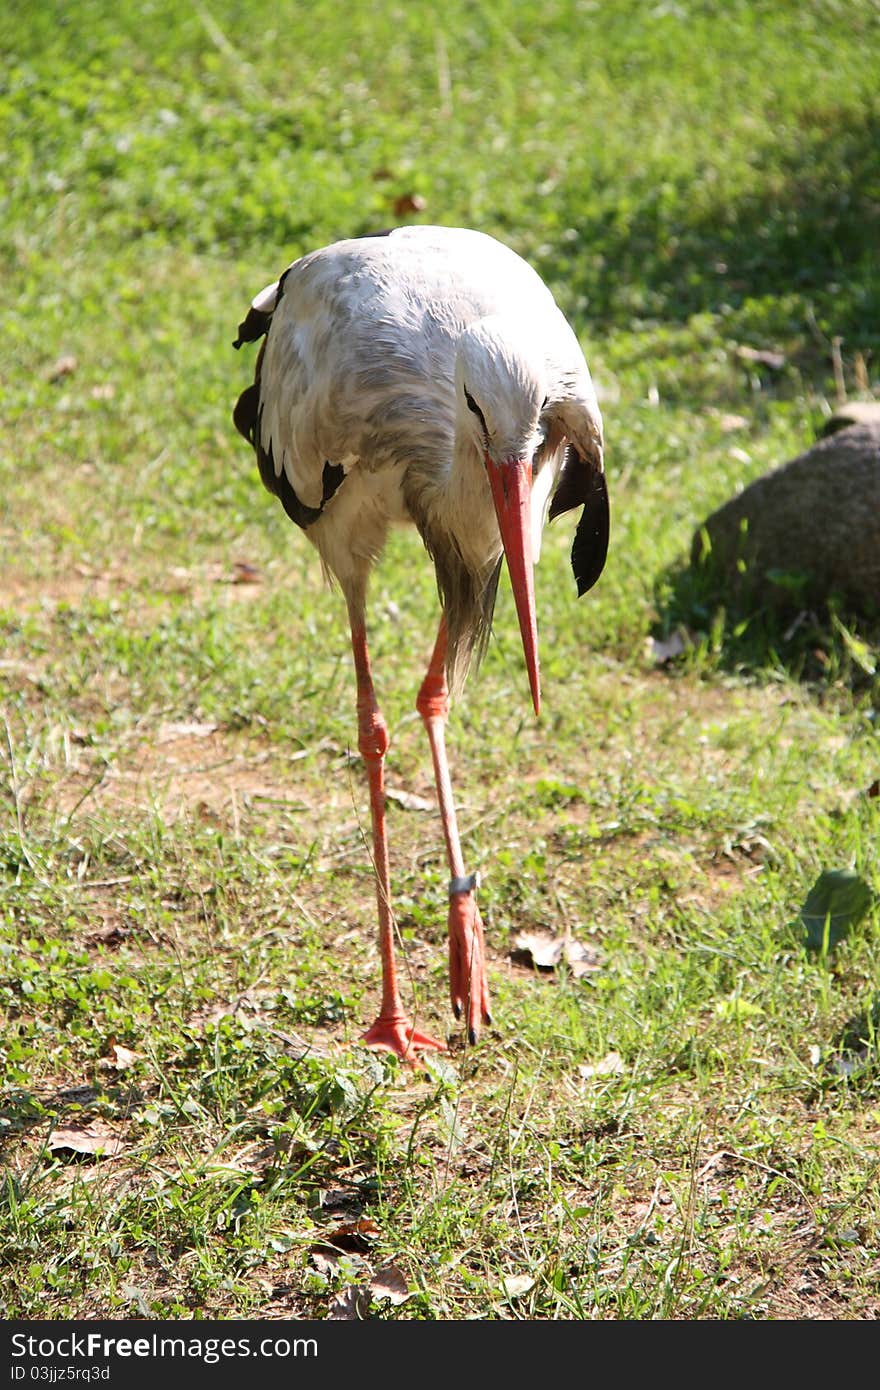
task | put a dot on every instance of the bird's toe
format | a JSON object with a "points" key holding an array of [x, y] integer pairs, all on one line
{"points": [[468, 987], [394, 1033]]}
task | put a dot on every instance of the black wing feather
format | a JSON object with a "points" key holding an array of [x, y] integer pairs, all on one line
{"points": [[582, 484], [247, 416]]}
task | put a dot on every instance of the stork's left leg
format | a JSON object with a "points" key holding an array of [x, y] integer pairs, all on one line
{"points": [[467, 966], [392, 1031]]}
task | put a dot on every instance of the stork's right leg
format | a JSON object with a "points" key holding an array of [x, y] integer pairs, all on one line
{"points": [[468, 988], [392, 1031]]}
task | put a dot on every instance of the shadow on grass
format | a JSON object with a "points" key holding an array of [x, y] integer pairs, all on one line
{"points": [[810, 230], [761, 629]]}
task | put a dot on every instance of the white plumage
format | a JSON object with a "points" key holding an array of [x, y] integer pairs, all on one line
{"points": [[426, 376]]}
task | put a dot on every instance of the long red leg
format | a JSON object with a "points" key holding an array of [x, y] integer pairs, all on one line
{"points": [[468, 988], [392, 1031]]}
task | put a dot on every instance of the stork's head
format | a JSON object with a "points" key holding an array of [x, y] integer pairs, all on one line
{"points": [[501, 391]]}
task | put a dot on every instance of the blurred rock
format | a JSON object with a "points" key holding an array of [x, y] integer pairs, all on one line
{"points": [[808, 529]]}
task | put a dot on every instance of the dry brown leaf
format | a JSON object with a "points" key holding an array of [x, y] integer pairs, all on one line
{"points": [[104, 391], [62, 367], [546, 952], [349, 1305], [243, 573], [326, 1261], [409, 202], [580, 959], [539, 949], [338, 1197], [119, 1058], [732, 422], [389, 1285], [111, 934], [353, 1235], [95, 1139]]}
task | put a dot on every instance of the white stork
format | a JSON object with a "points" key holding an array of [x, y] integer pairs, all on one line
{"points": [[426, 375]]}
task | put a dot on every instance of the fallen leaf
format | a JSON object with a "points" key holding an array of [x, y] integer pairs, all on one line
{"points": [[62, 367], [515, 1285], [764, 357], [327, 1260], [111, 935], [409, 202], [349, 1305], [95, 1139], [389, 1285], [538, 949], [837, 901], [119, 1058], [610, 1065], [663, 649], [580, 959], [338, 1197], [138, 1300], [379, 175], [408, 800], [195, 729], [104, 391], [353, 1235], [732, 422], [243, 573], [545, 952]]}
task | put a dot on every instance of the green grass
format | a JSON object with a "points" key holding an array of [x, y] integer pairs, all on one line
{"points": [[184, 869]]}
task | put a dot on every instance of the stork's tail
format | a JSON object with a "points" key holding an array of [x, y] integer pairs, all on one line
{"points": [[253, 326], [258, 317]]}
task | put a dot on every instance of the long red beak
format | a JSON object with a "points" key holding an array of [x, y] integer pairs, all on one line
{"points": [[511, 484]]}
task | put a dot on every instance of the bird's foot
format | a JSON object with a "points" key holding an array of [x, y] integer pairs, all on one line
{"points": [[394, 1033], [468, 986]]}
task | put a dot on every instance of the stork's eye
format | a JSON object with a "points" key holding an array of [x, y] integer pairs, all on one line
{"points": [[472, 405]]}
